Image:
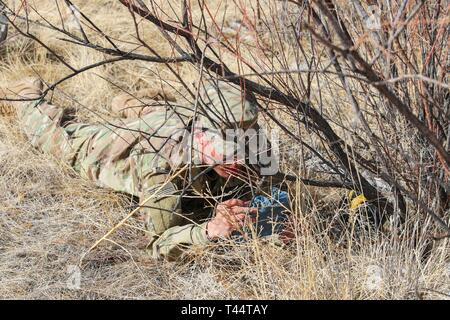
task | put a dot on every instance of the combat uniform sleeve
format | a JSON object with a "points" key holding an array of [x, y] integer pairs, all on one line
{"points": [[172, 230], [175, 240]]}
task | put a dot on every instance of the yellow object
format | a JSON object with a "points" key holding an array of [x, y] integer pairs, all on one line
{"points": [[356, 201]]}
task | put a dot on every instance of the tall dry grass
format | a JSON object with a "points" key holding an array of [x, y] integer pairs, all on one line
{"points": [[49, 217]]}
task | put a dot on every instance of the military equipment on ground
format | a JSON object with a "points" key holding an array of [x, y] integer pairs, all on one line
{"points": [[271, 217]]}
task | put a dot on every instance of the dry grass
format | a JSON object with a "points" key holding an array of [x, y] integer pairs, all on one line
{"points": [[49, 217]]}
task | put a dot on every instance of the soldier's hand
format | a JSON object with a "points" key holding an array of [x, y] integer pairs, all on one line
{"points": [[230, 215]]}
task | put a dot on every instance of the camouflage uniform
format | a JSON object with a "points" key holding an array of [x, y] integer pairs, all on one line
{"points": [[136, 155]]}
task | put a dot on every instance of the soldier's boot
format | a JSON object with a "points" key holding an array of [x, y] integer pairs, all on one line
{"points": [[135, 105], [23, 90]]}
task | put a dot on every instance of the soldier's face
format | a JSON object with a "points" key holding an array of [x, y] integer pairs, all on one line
{"points": [[227, 170]]}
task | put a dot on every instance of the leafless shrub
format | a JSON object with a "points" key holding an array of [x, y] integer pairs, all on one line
{"points": [[361, 99]]}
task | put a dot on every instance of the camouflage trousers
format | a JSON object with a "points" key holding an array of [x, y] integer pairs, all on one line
{"points": [[49, 129]]}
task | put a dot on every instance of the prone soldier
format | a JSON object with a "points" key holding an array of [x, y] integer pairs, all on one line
{"points": [[173, 157]]}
